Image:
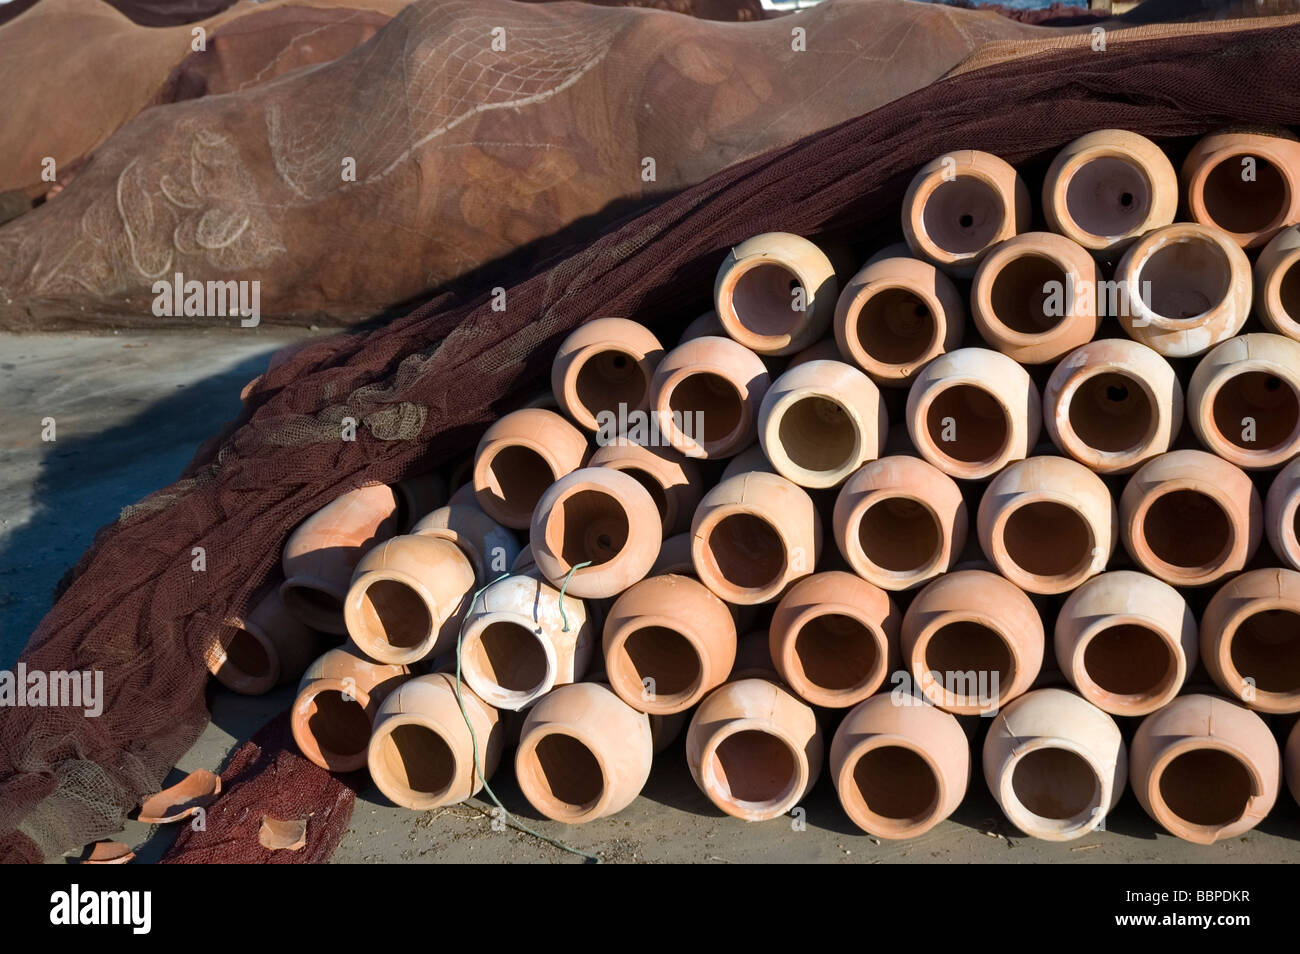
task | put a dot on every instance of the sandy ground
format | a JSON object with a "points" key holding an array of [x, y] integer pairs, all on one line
{"points": [[130, 412]]}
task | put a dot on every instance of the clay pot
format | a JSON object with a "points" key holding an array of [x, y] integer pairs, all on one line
{"points": [[754, 749], [516, 645], [820, 421], [1292, 758], [1282, 514], [668, 641], [422, 754], [601, 517], [834, 638], [338, 697], [270, 647], [1047, 523], [1181, 289], [673, 481], [1250, 639], [407, 598], [960, 205], [1034, 297], [899, 770], [1107, 188], [520, 456], [583, 754], [824, 350], [1190, 518], [602, 367], [753, 535], [705, 396], [894, 316], [1205, 768], [1245, 183], [1055, 764], [747, 461], [705, 326], [321, 554], [524, 563], [972, 642], [972, 411], [1277, 283], [1244, 400], [775, 293], [900, 522], [1126, 642], [490, 547], [1112, 405]]}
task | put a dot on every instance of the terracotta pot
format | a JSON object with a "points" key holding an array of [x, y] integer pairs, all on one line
{"points": [[321, 554], [516, 645], [753, 535], [1047, 523], [1181, 289], [1034, 297], [1277, 283], [834, 638], [338, 697], [1293, 762], [775, 293], [1205, 768], [603, 366], [407, 599], [583, 754], [601, 517], [899, 770], [1282, 514], [705, 397], [674, 482], [1055, 764], [754, 749], [706, 325], [1126, 642], [960, 205], [520, 456], [747, 461], [270, 647], [1107, 188], [421, 752], [668, 641], [1112, 405], [824, 350], [1250, 639], [900, 522], [490, 547], [972, 411], [895, 315], [972, 642], [1244, 400], [1244, 183], [1190, 518]]}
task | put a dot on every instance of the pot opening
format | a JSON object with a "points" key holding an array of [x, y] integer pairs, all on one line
{"points": [[1057, 785], [963, 215], [247, 656], [709, 400], [966, 423], [900, 535], [608, 379], [1206, 787], [507, 655], [763, 298], [972, 661], [315, 607], [1188, 278], [1288, 290], [1032, 294], [818, 434], [415, 759], [665, 657], [393, 613], [746, 551], [1188, 530], [1130, 660], [1108, 197], [587, 526], [1257, 411], [1266, 648], [1237, 204], [1112, 413], [754, 770], [517, 476], [836, 652], [340, 727], [895, 326], [568, 776], [1049, 540], [895, 786]]}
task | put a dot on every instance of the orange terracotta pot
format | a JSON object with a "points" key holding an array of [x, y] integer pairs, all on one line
{"points": [[1277, 283], [270, 647], [1205, 768], [1244, 183], [520, 456], [1282, 514], [705, 397], [338, 697], [754, 749], [1244, 400], [674, 482], [603, 366], [1250, 639], [899, 770], [1190, 518], [668, 641], [775, 293], [824, 350], [491, 548]]}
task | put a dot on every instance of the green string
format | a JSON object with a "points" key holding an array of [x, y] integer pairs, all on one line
{"points": [[567, 577], [509, 818]]}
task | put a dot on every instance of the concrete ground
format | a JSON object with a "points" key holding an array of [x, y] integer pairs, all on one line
{"points": [[130, 411]]}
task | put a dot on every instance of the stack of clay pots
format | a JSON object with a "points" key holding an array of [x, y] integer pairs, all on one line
{"points": [[836, 523]]}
